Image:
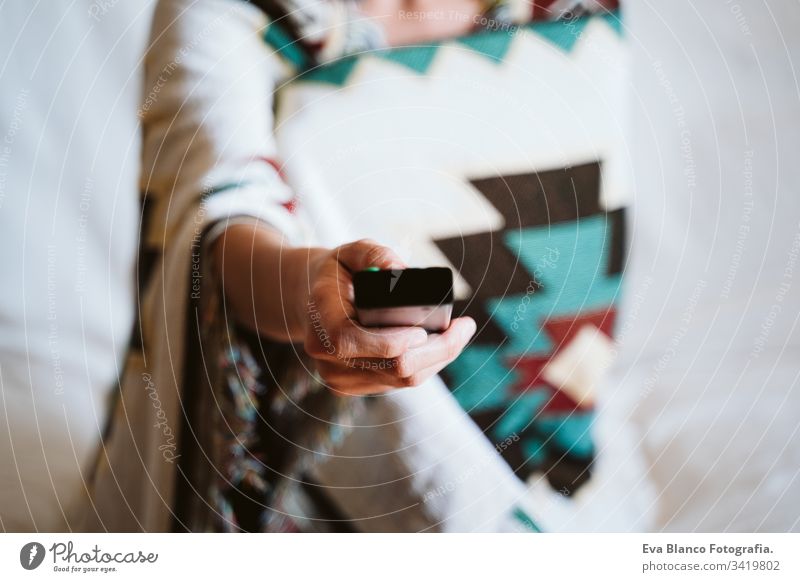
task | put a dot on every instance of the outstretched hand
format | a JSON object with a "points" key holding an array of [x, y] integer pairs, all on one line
{"points": [[356, 360], [306, 295]]}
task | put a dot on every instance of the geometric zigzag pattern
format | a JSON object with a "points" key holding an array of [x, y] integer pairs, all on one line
{"points": [[492, 45], [553, 269]]}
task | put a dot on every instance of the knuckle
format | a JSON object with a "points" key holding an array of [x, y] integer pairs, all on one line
{"points": [[356, 247], [402, 366], [318, 342], [452, 349], [386, 350], [364, 242], [375, 254], [409, 381], [343, 344], [316, 292]]}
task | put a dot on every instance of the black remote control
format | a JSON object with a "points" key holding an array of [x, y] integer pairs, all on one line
{"points": [[405, 297]]}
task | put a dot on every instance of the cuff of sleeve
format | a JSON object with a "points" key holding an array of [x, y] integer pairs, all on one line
{"points": [[247, 205]]}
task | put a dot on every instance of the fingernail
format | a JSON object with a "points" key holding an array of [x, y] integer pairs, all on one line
{"points": [[470, 329]]}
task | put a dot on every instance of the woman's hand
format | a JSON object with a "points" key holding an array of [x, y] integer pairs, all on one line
{"points": [[306, 295], [357, 360]]}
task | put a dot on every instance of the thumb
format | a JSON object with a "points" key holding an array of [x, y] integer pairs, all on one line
{"points": [[363, 254]]}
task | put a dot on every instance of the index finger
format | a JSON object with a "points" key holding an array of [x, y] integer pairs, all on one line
{"points": [[367, 253], [354, 341]]}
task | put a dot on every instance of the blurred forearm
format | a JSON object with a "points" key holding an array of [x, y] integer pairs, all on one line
{"points": [[265, 281]]}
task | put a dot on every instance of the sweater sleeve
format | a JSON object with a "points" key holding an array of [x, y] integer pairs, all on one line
{"points": [[207, 119]]}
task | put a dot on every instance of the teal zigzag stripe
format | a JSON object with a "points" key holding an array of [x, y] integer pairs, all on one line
{"points": [[416, 58], [492, 45], [276, 37], [577, 281]]}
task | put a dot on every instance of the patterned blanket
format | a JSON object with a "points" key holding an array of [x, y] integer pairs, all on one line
{"points": [[499, 154], [414, 160]]}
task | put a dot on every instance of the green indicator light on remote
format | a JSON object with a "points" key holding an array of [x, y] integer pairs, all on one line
{"points": [[373, 269]]}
